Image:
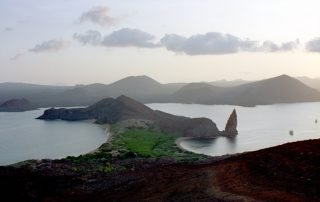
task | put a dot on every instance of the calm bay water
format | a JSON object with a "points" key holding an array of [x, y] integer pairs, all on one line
{"points": [[23, 137], [259, 127]]}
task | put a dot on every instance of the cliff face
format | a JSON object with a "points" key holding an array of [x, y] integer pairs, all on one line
{"points": [[66, 114], [231, 126], [111, 111]]}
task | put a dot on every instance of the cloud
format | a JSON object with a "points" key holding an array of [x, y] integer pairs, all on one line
{"points": [[129, 37], [125, 37], [174, 42], [269, 46], [98, 15], [313, 45], [90, 37], [205, 44], [50, 46], [215, 43], [8, 29], [17, 56], [211, 43]]}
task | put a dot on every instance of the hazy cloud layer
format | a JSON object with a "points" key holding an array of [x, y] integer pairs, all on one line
{"points": [[121, 38], [50, 46], [90, 37], [8, 29], [211, 43], [129, 37], [215, 43], [313, 45], [269, 46], [99, 15], [17, 56]]}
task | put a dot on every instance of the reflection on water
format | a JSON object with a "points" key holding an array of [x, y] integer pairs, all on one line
{"points": [[259, 127]]}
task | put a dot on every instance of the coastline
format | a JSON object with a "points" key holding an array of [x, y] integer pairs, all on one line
{"points": [[179, 140], [108, 132]]}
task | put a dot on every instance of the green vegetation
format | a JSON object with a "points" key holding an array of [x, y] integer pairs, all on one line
{"points": [[101, 156], [151, 144], [130, 143], [148, 143]]}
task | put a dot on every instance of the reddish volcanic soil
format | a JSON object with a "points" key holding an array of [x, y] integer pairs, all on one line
{"points": [[290, 172]]}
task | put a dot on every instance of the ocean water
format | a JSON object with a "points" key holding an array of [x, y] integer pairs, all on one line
{"points": [[23, 137], [259, 127]]}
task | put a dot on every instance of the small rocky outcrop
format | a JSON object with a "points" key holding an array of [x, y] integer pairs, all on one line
{"points": [[17, 105], [231, 126]]}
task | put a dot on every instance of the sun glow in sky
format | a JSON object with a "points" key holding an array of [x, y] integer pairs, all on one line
{"points": [[82, 41]]}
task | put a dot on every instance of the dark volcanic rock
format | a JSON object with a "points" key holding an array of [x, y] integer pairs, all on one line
{"points": [[123, 108], [65, 114], [17, 105], [108, 110], [231, 126]]}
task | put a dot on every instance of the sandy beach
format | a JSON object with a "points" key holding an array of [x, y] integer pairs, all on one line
{"points": [[106, 128]]}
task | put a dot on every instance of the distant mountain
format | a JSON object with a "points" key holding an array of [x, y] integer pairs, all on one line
{"points": [[110, 110], [311, 82], [281, 89], [231, 83], [80, 95], [142, 88], [137, 84], [37, 94], [174, 86], [17, 105], [202, 93]]}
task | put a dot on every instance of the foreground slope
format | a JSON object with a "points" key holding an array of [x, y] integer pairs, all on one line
{"points": [[284, 173]]}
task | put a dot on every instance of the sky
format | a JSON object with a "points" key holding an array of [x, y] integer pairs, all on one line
{"points": [[67, 42]]}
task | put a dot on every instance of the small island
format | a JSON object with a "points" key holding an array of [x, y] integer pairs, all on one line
{"points": [[123, 108], [17, 105]]}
